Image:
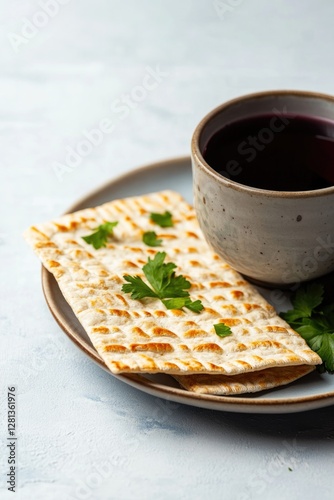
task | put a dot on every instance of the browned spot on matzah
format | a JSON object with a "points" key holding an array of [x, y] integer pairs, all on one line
{"points": [[119, 366], [115, 348], [237, 294], [231, 309], [177, 312], [243, 364], [160, 314], [163, 332], [134, 249], [192, 365], [211, 311], [219, 284], [209, 347], [171, 366], [119, 312], [61, 227], [152, 347], [251, 307], [45, 244], [101, 329], [128, 263], [138, 331], [167, 236], [146, 313], [218, 297], [193, 333], [121, 298], [197, 286], [82, 253], [240, 347], [195, 263], [257, 358], [192, 250], [151, 251], [276, 329], [33, 228], [184, 347], [230, 321], [100, 311], [53, 263], [104, 273], [117, 279], [191, 234], [265, 343], [86, 219]]}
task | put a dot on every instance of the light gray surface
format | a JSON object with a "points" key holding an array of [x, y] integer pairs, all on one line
{"points": [[78, 427]]}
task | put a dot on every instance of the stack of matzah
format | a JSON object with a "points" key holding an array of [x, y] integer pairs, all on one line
{"points": [[145, 337]]}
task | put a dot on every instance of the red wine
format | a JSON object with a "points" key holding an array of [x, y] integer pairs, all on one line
{"points": [[276, 152]]}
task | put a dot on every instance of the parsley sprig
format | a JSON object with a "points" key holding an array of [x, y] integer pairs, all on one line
{"points": [[314, 323], [163, 220], [99, 238], [165, 285], [222, 330], [150, 239]]}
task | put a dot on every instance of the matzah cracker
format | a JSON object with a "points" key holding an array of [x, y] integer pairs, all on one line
{"points": [[143, 336], [224, 385]]}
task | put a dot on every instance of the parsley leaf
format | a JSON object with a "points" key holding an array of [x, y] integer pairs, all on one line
{"points": [[222, 330], [138, 288], [314, 324], [163, 220], [150, 239], [179, 302], [99, 238], [162, 278], [164, 285]]}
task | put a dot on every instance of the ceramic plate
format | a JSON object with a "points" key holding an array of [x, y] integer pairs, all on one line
{"points": [[312, 391]]}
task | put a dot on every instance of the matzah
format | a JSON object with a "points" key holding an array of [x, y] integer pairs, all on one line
{"points": [[143, 336], [225, 385]]}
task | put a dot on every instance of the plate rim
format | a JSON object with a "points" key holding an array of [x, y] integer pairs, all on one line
{"points": [[223, 403]]}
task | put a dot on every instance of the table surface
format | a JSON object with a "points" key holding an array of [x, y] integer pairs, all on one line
{"points": [[145, 72]]}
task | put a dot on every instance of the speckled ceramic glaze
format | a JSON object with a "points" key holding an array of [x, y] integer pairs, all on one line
{"points": [[273, 237]]}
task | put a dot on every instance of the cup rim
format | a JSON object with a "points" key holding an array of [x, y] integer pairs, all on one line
{"points": [[242, 187]]}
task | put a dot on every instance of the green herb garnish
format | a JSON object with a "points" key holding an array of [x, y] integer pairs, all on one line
{"points": [[150, 239], [314, 324], [163, 220], [222, 330], [164, 285], [179, 302], [99, 238]]}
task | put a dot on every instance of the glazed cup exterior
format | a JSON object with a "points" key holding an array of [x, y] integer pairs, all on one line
{"points": [[274, 238]]}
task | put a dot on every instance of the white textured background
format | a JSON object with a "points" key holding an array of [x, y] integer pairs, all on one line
{"points": [[82, 433]]}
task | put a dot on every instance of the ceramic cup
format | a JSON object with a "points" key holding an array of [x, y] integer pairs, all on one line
{"points": [[274, 238]]}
